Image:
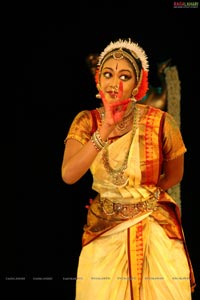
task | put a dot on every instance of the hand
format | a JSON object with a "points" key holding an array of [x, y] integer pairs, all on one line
{"points": [[114, 112]]}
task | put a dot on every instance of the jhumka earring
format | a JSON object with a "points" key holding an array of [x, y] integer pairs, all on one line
{"points": [[98, 96], [134, 92]]}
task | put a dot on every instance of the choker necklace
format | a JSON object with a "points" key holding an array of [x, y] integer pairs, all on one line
{"points": [[117, 175], [123, 124]]}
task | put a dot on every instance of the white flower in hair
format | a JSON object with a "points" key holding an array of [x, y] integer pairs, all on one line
{"points": [[131, 46]]}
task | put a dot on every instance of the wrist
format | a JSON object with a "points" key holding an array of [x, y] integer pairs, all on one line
{"points": [[105, 130], [98, 142]]}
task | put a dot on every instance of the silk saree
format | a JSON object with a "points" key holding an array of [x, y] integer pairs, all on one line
{"points": [[133, 243]]}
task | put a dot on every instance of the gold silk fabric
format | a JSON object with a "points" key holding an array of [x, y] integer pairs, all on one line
{"points": [[157, 138]]}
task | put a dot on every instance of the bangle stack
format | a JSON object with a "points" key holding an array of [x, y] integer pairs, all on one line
{"points": [[97, 141]]}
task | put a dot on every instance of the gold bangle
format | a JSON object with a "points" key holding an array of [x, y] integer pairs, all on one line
{"points": [[98, 136], [97, 141]]}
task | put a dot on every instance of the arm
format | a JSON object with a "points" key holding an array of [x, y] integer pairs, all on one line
{"points": [[76, 160], [172, 172], [77, 157]]}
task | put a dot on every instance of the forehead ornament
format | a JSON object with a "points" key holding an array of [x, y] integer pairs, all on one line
{"points": [[133, 48], [121, 54]]}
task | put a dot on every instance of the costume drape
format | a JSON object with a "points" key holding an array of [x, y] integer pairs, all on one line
{"points": [[133, 240]]}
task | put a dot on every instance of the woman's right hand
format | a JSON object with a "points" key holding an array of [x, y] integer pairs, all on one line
{"points": [[114, 111]]}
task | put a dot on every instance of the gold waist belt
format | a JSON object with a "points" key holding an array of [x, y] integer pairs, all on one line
{"points": [[128, 210]]}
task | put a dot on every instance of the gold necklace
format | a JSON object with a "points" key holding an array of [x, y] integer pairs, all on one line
{"points": [[122, 125], [117, 175]]}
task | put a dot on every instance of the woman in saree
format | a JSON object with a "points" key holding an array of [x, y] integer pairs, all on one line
{"points": [[133, 245]]}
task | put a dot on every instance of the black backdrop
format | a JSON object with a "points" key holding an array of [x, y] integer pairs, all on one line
{"points": [[53, 83]]}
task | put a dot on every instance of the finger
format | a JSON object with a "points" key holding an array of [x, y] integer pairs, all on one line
{"points": [[124, 107], [120, 92], [121, 103]]}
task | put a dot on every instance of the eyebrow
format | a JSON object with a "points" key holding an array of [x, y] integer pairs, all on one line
{"points": [[123, 70]]}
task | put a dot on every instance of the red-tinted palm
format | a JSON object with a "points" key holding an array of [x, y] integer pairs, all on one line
{"points": [[114, 112]]}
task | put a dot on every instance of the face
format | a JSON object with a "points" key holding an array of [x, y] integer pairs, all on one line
{"points": [[114, 71]]}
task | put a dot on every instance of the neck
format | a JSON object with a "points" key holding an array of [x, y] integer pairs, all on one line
{"points": [[129, 111]]}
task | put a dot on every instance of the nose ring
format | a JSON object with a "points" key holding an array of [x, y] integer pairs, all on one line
{"points": [[115, 88]]}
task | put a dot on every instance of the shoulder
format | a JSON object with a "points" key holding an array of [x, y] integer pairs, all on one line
{"points": [[83, 114], [82, 118], [86, 120], [152, 113], [150, 109], [81, 127], [88, 114], [170, 122]]}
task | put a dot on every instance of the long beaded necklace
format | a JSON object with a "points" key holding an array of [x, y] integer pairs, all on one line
{"points": [[117, 175]]}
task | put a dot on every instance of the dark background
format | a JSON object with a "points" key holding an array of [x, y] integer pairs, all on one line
{"points": [[52, 83]]}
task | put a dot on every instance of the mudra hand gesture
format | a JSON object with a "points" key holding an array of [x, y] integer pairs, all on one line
{"points": [[114, 111]]}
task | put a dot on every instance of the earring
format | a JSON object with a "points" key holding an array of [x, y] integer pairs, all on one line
{"points": [[133, 99], [98, 96], [134, 92]]}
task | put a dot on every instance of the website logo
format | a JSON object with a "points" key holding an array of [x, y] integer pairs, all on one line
{"points": [[185, 4]]}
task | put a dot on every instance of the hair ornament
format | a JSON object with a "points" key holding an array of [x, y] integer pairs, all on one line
{"points": [[135, 54], [134, 48]]}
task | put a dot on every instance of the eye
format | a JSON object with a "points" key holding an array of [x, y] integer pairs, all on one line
{"points": [[107, 74], [125, 77]]}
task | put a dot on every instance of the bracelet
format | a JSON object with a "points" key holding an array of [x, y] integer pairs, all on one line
{"points": [[97, 141]]}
